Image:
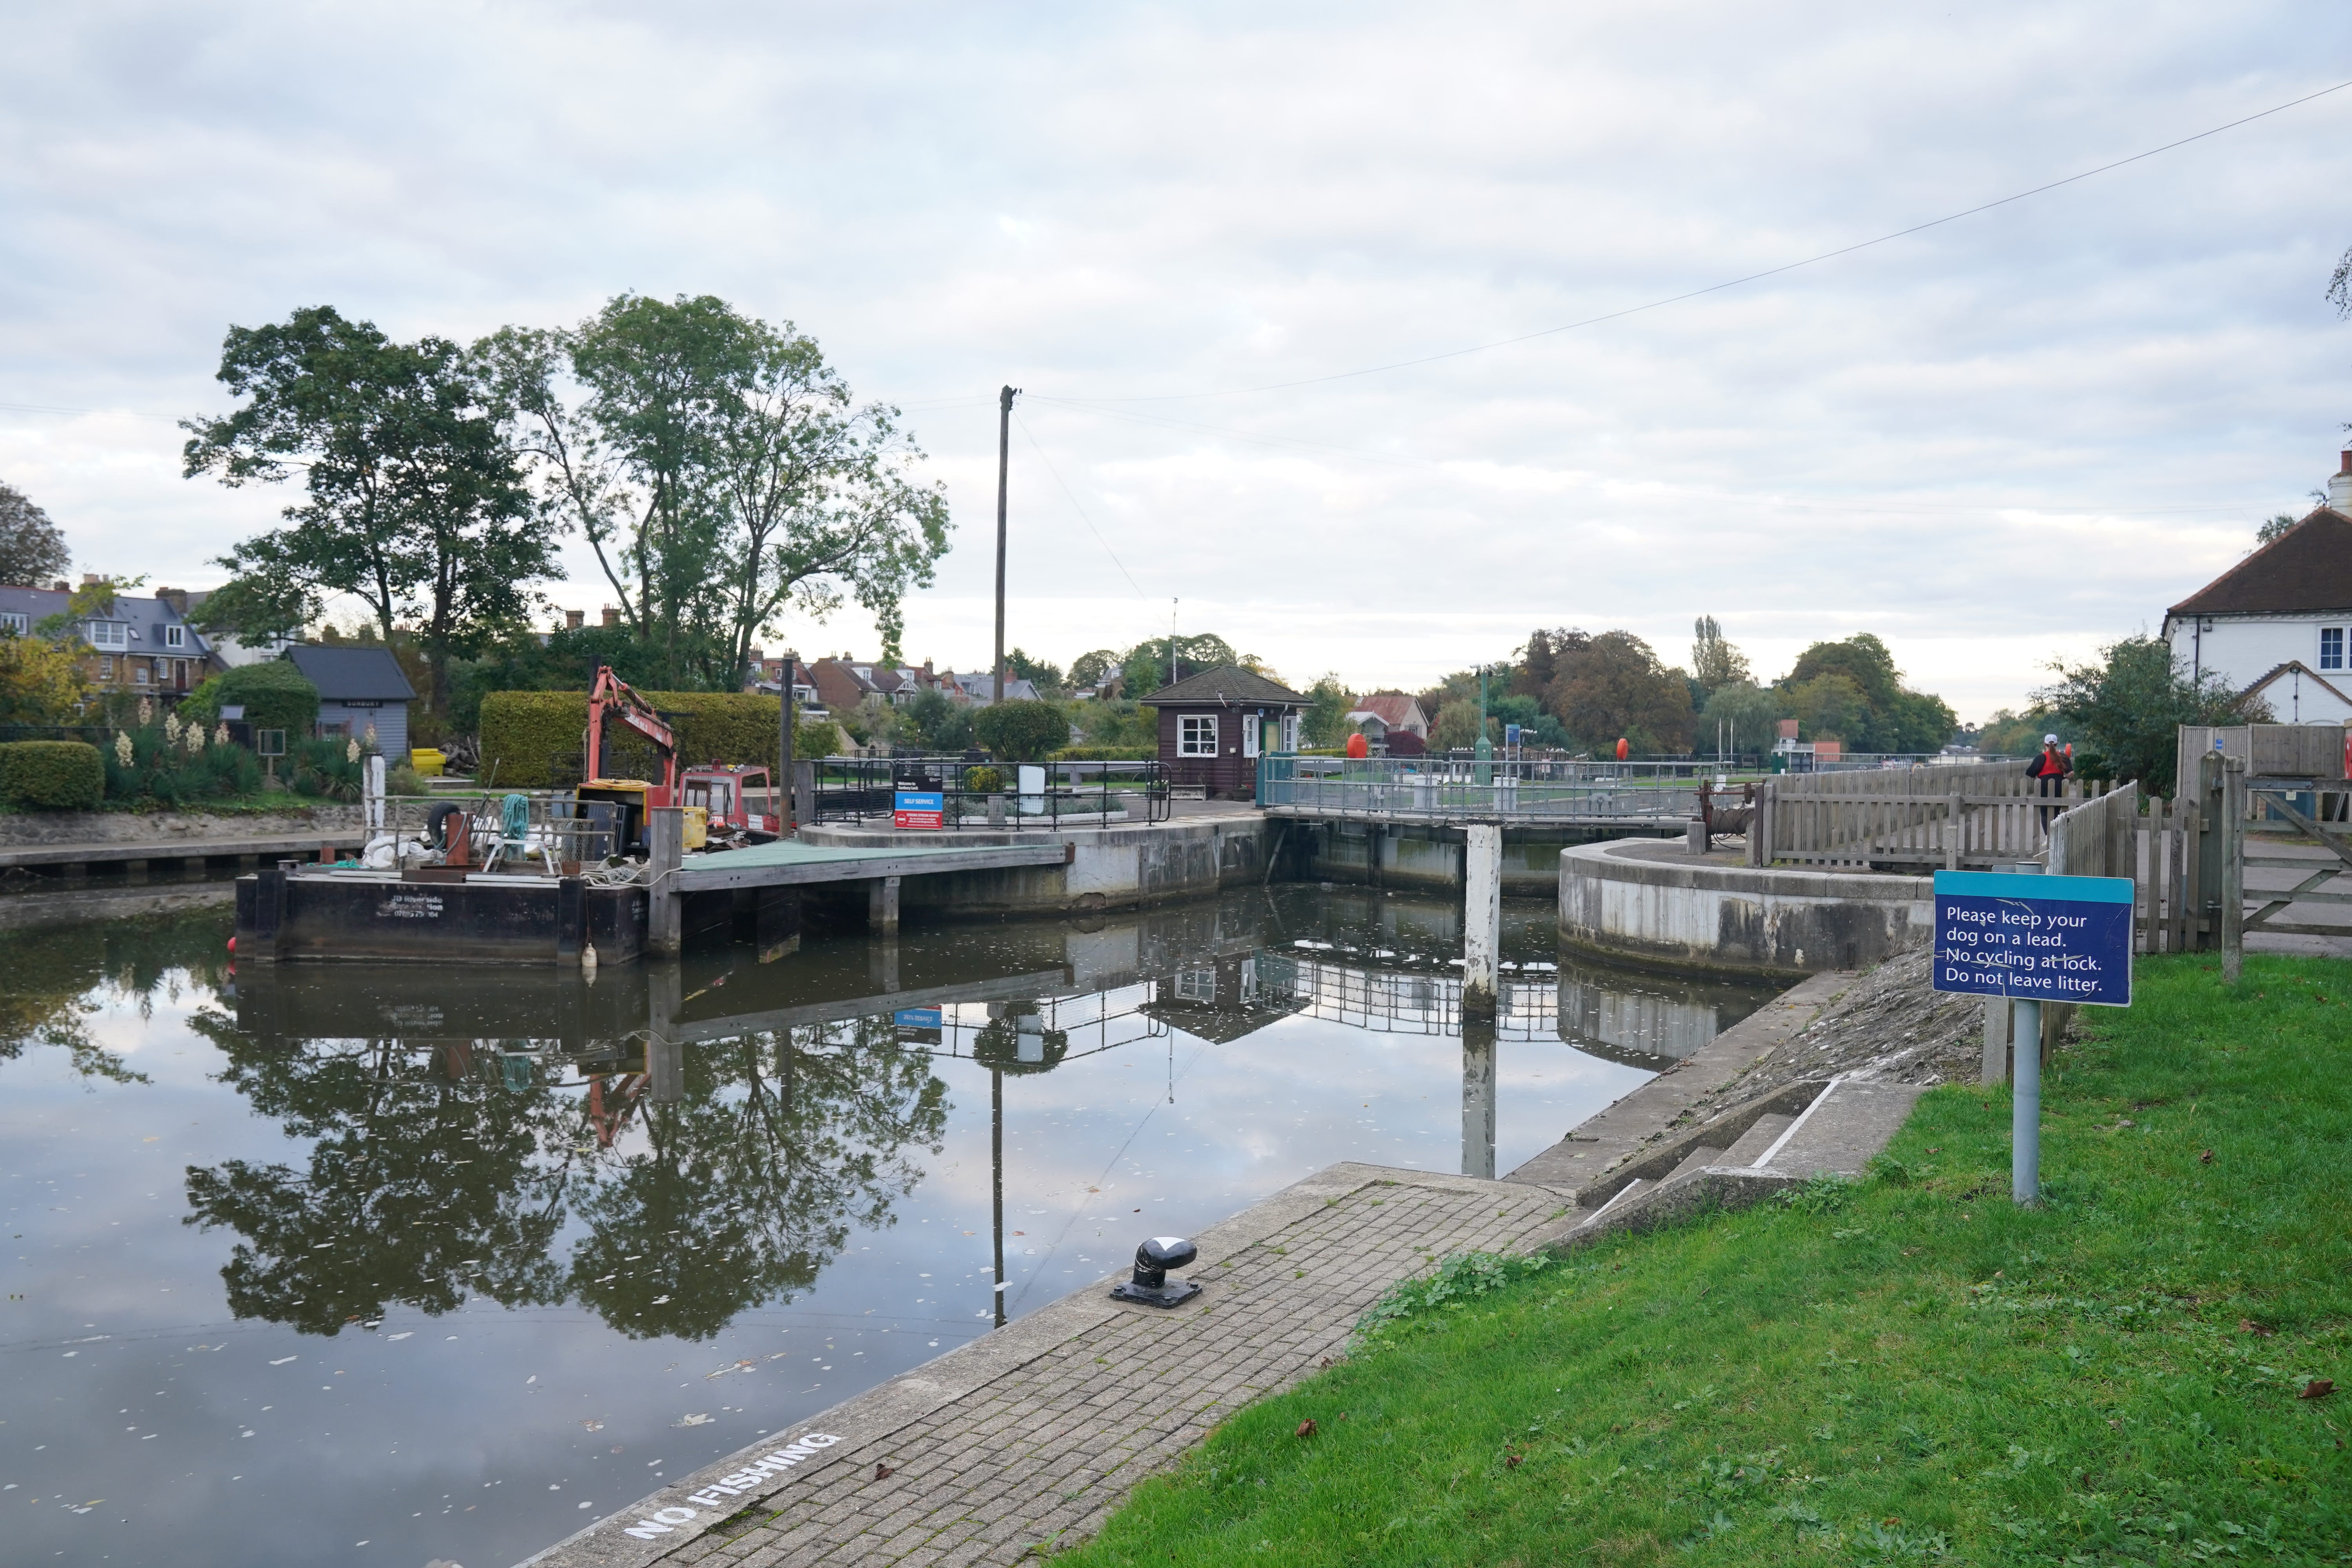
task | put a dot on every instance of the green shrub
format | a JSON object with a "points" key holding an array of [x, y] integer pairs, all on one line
{"points": [[161, 768], [1022, 732], [1106, 754], [274, 693], [982, 781], [52, 775], [536, 739], [325, 768]]}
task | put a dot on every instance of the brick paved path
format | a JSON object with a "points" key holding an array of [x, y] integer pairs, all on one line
{"points": [[1033, 1433]]}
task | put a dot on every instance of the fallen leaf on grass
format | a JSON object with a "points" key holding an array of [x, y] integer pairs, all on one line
{"points": [[2205, 1156], [2248, 1326], [1307, 1427], [1511, 1461], [2317, 1388]]}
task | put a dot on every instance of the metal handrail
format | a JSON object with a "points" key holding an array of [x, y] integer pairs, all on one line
{"points": [[1080, 793]]}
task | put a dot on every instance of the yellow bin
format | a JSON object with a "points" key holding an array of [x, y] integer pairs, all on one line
{"points": [[428, 762], [696, 827]]}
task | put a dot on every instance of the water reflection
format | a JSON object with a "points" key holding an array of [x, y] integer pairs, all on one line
{"points": [[664, 1211]]}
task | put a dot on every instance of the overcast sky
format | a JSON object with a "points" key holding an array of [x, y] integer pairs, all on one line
{"points": [[2012, 436]]}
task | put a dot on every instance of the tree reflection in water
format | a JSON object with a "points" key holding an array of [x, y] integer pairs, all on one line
{"points": [[60, 975], [459, 1169]]}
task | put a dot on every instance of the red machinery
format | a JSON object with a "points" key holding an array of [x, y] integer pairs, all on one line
{"points": [[721, 789]]}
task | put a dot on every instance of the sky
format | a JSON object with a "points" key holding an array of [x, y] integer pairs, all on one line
{"points": [[1181, 232]]}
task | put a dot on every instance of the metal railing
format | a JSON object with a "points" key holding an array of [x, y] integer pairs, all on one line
{"points": [[1455, 789], [977, 797]]}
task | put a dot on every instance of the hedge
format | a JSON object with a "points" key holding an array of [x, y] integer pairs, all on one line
{"points": [[52, 775], [533, 739], [1106, 754]]}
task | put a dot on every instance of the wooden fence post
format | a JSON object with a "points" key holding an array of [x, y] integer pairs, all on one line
{"points": [[2234, 868]]}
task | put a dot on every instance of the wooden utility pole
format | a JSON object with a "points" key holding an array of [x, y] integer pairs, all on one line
{"points": [[1004, 464]]}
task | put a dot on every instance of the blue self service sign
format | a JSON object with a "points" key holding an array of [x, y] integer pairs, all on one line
{"points": [[2034, 939]]}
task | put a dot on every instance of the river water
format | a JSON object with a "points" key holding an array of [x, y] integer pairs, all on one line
{"points": [[399, 1265]]}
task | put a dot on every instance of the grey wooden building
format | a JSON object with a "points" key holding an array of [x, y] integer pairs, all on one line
{"points": [[360, 688]]}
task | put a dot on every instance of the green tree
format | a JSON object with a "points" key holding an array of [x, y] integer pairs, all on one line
{"points": [[1893, 718], [414, 503], [32, 549], [1325, 722], [1831, 707], [1746, 714], [723, 473], [1145, 669], [274, 694], [1089, 670], [1713, 661], [2273, 527], [1612, 687], [1046, 677], [1022, 732], [2129, 706], [941, 723]]}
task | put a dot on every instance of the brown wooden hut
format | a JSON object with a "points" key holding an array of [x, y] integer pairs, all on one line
{"points": [[1215, 725]]}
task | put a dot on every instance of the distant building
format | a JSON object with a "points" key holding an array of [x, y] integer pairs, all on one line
{"points": [[768, 674], [140, 645], [980, 690], [361, 688], [229, 652], [2279, 623], [1215, 725], [1396, 711]]}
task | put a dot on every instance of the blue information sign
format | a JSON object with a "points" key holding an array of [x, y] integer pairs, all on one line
{"points": [[919, 808], [916, 1018], [2034, 939]]}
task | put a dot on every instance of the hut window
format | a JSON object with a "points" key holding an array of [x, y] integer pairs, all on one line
{"points": [[1251, 724], [1196, 985], [1196, 735], [1290, 731]]}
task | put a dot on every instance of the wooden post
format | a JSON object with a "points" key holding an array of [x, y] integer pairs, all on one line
{"points": [[882, 905], [2210, 844], [1955, 829], [2234, 868], [1478, 1097], [1995, 1065], [665, 846]]}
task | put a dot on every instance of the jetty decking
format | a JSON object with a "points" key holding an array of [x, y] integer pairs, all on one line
{"points": [[789, 863]]}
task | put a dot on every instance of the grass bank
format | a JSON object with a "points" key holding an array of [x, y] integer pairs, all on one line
{"points": [[1906, 1370]]}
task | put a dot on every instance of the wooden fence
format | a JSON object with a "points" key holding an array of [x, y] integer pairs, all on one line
{"points": [[2158, 844], [1954, 817], [2269, 750]]}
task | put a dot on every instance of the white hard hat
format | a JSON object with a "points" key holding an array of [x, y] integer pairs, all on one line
{"points": [[2048, 740]]}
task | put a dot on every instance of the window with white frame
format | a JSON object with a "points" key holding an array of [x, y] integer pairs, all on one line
{"points": [[1290, 731], [2331, 647], [105, 669], [139, 672], [1250, 728], [109, 633], [1196, 985], [15, 621], [175, 637], [1196, 735]]}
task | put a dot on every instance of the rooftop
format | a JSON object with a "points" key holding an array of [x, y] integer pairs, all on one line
{"points": [[1228, 686], [2308, 569]]}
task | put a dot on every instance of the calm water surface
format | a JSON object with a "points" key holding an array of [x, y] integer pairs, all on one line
{"points": [[386, 1265]]}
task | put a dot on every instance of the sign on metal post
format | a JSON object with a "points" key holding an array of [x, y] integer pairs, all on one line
{"points": [[2032, 939], [919, 808], [2039, 939]]}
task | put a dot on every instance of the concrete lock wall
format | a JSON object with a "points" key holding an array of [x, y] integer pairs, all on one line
{"points": [[1734, 918], [1424, 858], [1108, 867]]}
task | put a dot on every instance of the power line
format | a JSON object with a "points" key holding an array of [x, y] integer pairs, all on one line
{"points": [[1736, 282], [1079, 510]]}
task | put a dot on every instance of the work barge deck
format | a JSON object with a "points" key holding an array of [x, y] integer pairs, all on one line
{"points": [[293, 911]]}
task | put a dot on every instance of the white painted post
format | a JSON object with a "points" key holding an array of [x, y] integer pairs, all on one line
{"points": [[372, 793], [1481, 917]]}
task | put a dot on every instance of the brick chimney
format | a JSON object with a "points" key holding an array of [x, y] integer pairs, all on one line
{"points": [[612, 615], [89, 579], [574, 619], [175, 597], [2339, 487]]}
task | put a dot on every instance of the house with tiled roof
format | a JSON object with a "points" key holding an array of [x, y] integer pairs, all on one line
{"points": [[140, 643], [2279, 623]]}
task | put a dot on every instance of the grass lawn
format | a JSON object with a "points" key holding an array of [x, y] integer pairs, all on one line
{"points": [[1905, 1370]]}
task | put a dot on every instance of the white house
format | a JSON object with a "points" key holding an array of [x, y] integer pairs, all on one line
{"points": [[2280, 622]]}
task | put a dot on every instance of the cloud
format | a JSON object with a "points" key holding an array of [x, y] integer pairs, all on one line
{"points": [[2006, 437]]}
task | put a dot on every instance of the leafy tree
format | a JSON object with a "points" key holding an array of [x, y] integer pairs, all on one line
{"points": [[939, 722], [1022, 732], [1831, 707], [32, 551], [1713, 661], [2013, 734], [1536, 727], [2129, 707], [1089, 670], [1612, 687], [1455, 728], [1129, 726], [2273, 527], [1892, 717], [414, 503], [723, 473], [1538, 661], [1325, 722], [41, 680], [1749, 716], [1144, 670]]}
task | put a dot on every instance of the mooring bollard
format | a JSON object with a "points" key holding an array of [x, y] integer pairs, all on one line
{"points": [[666, 850], [1478, 1097]]}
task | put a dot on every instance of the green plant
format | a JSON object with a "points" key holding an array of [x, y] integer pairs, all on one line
{"points": [[404, 780], [1022, 732], [274, 694], [983, 781], [51, 775], [1463, 1277], [166, 763], [330, 767]]}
